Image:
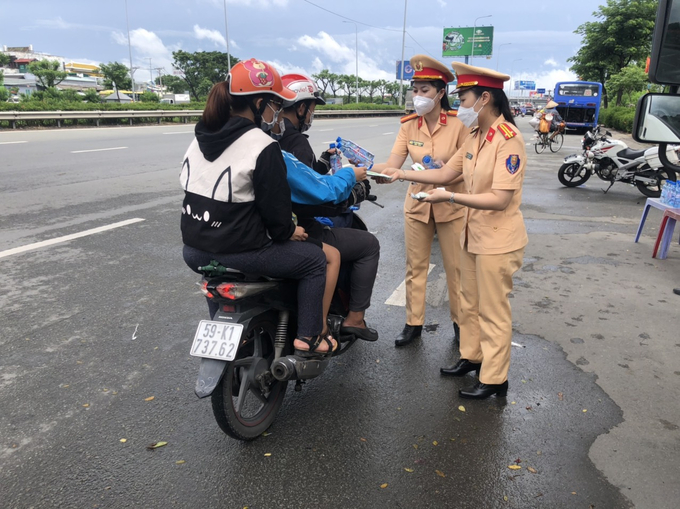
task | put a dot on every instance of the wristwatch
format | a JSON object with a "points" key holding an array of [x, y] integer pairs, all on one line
{"points": [[452, 200]]}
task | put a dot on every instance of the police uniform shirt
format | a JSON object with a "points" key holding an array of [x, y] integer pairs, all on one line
{"points": [[414, 139], [498, 163]]}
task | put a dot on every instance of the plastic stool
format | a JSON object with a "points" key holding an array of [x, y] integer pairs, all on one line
{"points": [[651, 202], [666, 230]]}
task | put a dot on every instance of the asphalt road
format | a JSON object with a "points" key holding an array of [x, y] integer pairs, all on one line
{"points": [[93, 327]]}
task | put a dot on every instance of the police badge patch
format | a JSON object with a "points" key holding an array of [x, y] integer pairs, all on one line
{"points": [[512, 164]]}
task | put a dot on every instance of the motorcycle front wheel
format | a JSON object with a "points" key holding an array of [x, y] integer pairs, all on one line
{"points": [[572, 175], [653, 190], [246, 401], [556, 142]]}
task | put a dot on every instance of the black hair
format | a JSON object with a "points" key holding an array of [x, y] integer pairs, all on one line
{"points": [[500, 101], [220, 106], [439, 85]]}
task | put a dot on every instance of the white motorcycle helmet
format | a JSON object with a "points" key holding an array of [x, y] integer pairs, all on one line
{"points": [[307, 92]]}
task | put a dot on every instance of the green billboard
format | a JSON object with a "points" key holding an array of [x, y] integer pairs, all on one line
{"points": [[458, 41]]}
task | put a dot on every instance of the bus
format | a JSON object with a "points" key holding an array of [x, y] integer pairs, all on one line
{"points": [[578, 103]]}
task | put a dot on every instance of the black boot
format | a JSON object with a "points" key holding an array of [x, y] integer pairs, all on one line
{"points": [[456, 333], [409, 333], [461, 367], [483, 391]]}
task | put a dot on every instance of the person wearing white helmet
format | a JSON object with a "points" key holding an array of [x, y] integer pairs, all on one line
{"points": [[359, 249]]}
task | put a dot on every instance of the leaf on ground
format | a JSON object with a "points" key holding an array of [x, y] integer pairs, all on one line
{"points": [[524, 381], [505, 498], [156, 445], [440, 473], [573, 493], [266, 434], [86, 405], [453, 440], [435, 443], [65, 386], [123, 440], [532, 470], [513, 402], [518, 461], [415, 446], [409, 470], [539, 452], [150, 398], [514, 467], [363, 439], [529, 408], [560, 396], [180, 462], [585, 410], [461, 408], [267, 454], [383, 486]]}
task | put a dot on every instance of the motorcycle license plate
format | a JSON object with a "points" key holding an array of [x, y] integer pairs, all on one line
{"points": [[216, 340]]}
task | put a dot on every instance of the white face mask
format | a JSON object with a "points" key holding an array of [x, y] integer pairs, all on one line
{"points": [[423, 105], [469, 116], [268, 126], [307, 125]]}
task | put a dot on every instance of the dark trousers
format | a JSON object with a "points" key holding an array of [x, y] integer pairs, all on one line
{"points": [[362, 250], [302, 261]]}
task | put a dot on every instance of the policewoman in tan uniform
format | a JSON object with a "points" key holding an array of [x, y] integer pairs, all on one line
{"points": [[492, 162], [432, 131]]}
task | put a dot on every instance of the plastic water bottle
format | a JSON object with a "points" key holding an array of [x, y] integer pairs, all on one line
{"points": [[674, 193], [355, 152], [430, 164], [336, 160]]}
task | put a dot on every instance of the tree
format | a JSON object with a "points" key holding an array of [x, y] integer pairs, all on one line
{"points": [[172, 83], [322, 80], [381, 88], [394, 89], [370, 87], [92, 96], [149, 97], [4, 60], [623, 36], [116, 75], [631, 79], [333, 83], [347, 82], [202, 69], [47, 72]]}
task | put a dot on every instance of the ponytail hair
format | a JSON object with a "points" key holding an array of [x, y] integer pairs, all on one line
{"points": [[500, 101], [221, 105]]}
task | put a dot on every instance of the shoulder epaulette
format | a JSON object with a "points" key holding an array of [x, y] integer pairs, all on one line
{"points": [[409, 117], [452, 113], [507, 131]]}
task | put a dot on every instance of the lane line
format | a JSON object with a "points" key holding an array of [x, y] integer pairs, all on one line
{"points": [[180, 132], [96, 150], [324, 130], [11, 142], [385, 134], [398, 297], [374, 125], [66, 238]]}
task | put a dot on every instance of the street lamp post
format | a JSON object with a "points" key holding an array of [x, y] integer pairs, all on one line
{"points": [[474, 29], [356, 56], [403, 42], [498, 58], [132, 72], [226, 33]]}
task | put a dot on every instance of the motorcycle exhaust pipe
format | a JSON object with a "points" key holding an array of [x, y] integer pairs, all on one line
{"points": [[292, 367]]}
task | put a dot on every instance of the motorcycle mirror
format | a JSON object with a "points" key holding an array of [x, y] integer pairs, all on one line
{"points": [[657, 119]]}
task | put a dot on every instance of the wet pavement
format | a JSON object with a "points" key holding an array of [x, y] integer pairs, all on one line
{"points": [[94, 327]]}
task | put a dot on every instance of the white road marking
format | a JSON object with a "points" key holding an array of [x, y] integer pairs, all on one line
{"points": [[374, 125], [180, 132], [66, 238], [11, 142], [96, 150], [517, 344], [323, 130], [385, 134], [328, 142], [398, 297]]}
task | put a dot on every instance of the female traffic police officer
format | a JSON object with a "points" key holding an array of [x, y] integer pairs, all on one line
{"points": [[492, 162], [432, 131]]}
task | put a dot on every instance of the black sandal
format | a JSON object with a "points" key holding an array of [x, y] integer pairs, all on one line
{"points": [[314, 344]]}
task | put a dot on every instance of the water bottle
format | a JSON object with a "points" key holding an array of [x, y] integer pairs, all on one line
{"points": [[664, 192], [430, 164], [336, 160], [675, 195], [355, 152]]}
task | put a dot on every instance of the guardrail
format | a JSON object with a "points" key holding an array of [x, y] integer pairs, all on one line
{"points": [[14, 116]]}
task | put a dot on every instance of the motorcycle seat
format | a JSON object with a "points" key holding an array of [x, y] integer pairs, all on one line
{"points": [[629, 153]]}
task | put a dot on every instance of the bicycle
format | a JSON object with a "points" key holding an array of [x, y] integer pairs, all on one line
{"points": [[554, 140]]}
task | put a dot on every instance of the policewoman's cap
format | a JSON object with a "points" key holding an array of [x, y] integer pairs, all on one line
{"points": [[470, 76], [428, 69]]}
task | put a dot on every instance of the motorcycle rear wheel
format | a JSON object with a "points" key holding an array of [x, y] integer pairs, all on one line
{"points": [[654, 190], [242, 409], [572, 175], [556, 142]]}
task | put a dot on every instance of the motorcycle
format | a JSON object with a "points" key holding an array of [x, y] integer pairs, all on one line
{"points": [[246, 348], [612, 161]]}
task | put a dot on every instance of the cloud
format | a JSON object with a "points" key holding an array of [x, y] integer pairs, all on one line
{"points": [[261, 4], [551, 61], [146, 45], [343, 57], [212, 35], [59, 24], [442, 3]]}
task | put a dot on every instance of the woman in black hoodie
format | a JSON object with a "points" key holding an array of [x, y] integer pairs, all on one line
{"points": [[237, 207]]}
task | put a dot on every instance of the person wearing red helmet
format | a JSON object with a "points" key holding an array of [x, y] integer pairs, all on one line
{"points": [[237, 203], [359, 249]]}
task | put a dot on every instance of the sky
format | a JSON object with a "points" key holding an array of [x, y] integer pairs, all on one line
{"points": [[532, 42]]}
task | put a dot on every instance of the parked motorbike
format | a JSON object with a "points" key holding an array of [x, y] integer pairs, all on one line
{"points": [[612, 161], [246, 347]]}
